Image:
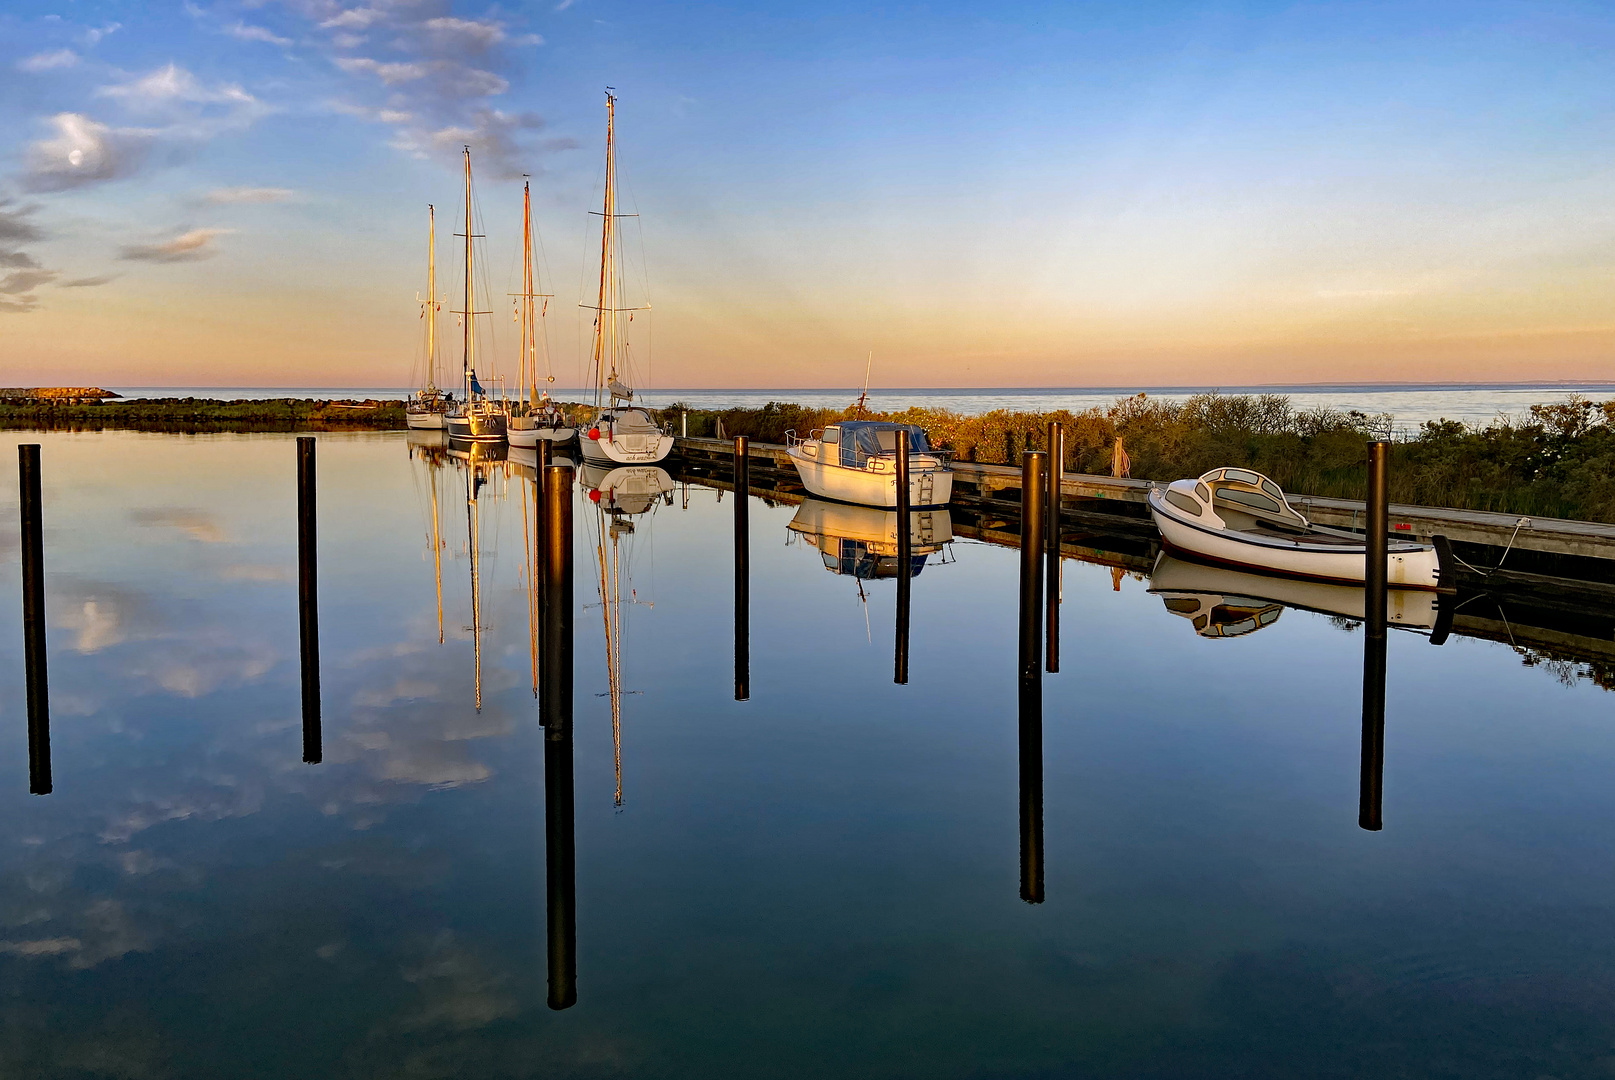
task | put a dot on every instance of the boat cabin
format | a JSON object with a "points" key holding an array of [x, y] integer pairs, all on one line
{"points": [[1238, 499], [853, 442]]}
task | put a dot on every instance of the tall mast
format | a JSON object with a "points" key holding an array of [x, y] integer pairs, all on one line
{"points": [[528, 375], [431, 298], [605, 343], [468, 359]]}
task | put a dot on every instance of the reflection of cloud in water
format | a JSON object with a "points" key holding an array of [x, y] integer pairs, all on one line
{"points": [[102, 931], [193, 669], [100, 614], [257, 572], [457, 989], [196, 524]]}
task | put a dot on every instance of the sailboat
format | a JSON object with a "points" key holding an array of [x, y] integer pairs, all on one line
{"points": [[425, 410], [534, 416], [477, 418], [621, 432]]}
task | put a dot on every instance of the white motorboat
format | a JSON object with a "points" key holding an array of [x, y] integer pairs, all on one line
{"points": [[621, 432], [425, 410], [477, 418], [861, 541], [855, 461], [1237, 517], [1223, 602], [533, 418]]}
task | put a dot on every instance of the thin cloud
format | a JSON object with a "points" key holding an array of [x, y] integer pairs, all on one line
{"points": [[15, 228], [48, 61], [192, 246], [94, 36], [84, 151], [243, 32], [171, 84], [88, 282], [23, 281], [233, 195]]}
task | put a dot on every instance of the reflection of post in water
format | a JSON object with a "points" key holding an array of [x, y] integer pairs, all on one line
{"points": [[1053, 574], [33, 618], [555, 711], [1374, 618], [742, 569], [308, 622], [905, 562], [532, 544], [1031, 677]]}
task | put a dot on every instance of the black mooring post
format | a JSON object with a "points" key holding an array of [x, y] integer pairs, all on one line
{"points": [[1374, 626], [1033, 513], [1030, 673], [1051, 536], [905, 561], [33, 618], [308, 613], [555, 713], [742, 569]]}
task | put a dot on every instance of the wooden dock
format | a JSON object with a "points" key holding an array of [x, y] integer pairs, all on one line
{"points": [[989, 484]]}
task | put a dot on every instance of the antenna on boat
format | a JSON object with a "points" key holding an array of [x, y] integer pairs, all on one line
{"points": [[865, 395]]}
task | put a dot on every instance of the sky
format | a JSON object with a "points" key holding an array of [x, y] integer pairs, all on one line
{"points": [[1071, 194]]}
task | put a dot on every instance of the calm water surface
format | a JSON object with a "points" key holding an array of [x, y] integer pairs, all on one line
{"points": [[821, 881]]}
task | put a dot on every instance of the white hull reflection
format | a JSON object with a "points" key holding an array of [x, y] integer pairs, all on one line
{"points": [[861, 541], [526, 460], [632, 489], [1223, 602]]}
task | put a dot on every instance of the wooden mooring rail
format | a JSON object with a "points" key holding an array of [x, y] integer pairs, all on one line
{"points": [[990, 484]]}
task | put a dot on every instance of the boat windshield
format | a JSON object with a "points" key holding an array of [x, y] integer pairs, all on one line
{"points": [[861, 441]]}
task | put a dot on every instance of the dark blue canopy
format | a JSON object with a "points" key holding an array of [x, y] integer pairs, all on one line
{"points": [[864, 439]]}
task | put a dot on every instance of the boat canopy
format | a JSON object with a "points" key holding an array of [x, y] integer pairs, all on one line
{"points": [[1246, 491], [864, 439]]}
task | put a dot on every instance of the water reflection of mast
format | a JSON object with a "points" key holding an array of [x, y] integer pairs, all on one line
{"points": [[473, 523], [610, 587]]}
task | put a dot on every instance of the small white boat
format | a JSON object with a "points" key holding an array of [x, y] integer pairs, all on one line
{"points": [[1237, 517], [545, 424], [861, 541], [855, 461], [1223, 602]]}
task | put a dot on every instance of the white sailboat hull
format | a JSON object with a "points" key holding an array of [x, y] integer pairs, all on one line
{"points": [[875, 485], [423, 421], [527, 438], [626, 449], [1410, 566]]}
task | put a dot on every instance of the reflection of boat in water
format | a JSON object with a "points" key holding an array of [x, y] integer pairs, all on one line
{"points": [[630, 489], [430, 445], [481, 461], [619, 496], [1241, 518], [861, 541], [1223, 602]]}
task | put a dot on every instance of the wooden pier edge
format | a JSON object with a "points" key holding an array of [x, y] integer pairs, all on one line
{"points": [[1001, 482]]}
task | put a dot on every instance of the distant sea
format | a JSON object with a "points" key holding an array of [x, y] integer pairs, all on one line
{"points": [[1409, 404]]}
